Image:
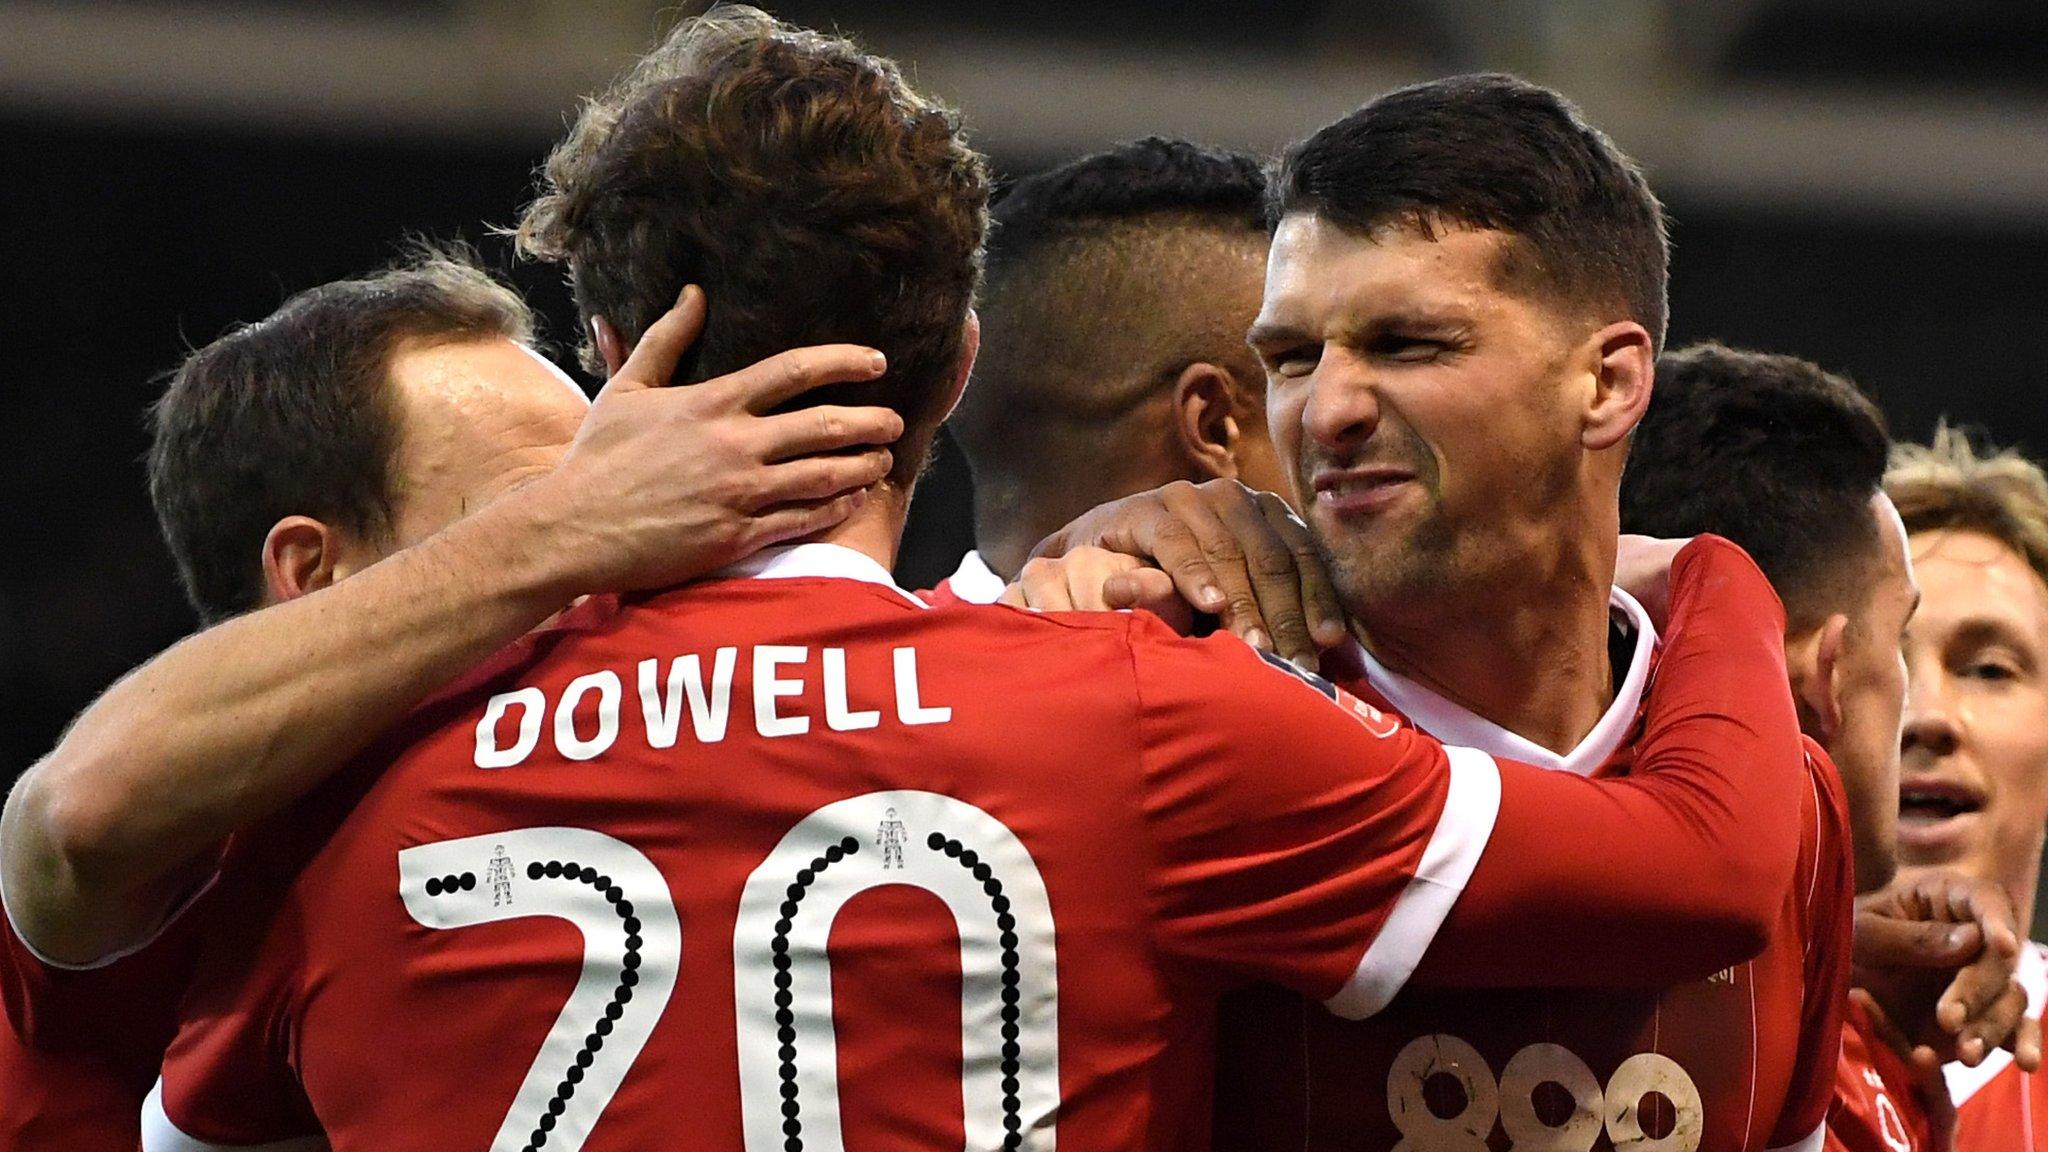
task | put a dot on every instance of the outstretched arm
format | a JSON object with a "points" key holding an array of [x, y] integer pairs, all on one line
{"points": [[102, 838]]}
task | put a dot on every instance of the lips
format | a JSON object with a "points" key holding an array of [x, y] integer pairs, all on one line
{"points": [[1351, 490], [1937, 817]]}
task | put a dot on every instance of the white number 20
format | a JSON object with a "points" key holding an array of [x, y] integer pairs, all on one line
{"points": [[782, 978], [1512, 1100]]}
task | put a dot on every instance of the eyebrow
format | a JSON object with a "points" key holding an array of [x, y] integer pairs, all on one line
{"points": [[1271, 332], [1987, 630]]}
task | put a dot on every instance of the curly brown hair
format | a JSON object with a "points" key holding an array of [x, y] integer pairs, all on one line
{"points": [[801, 182]]}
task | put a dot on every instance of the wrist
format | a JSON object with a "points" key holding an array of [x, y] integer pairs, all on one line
{"points": [[531, 544]]}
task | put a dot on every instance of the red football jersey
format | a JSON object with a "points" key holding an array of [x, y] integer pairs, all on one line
{"points": [[82, 1045], [1740, 1060], [1998, 1107], [1876, 1108], [797, 863]]}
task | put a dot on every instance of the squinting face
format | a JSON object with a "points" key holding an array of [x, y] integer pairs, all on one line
{"points": [[1870, 686], [1973, 790], [475, 418], [1421, 409]]}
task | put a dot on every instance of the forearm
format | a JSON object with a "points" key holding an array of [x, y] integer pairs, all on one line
{"points": [[234, 723], [1676, 871]]}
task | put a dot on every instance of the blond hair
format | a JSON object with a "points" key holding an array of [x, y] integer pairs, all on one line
{"points": [[1954, 484]]}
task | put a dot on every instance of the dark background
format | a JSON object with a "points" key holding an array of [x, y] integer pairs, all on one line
{"points": [[132, 232]]}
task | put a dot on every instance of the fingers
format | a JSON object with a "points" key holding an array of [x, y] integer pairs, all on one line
{"points": [[1206, 558], [794, 521], [762, 387], [1150, 590], [826, 428], [1887, 941], [1270, 567], [1323, 610], [1044, 586], [652, 363], [2025, 1044], [819, 477], [1990, 1025]]}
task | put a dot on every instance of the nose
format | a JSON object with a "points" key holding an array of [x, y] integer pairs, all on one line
{"points": [[1930, 725], [1343, 406]]}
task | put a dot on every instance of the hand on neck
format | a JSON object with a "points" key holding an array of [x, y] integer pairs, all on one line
{"points": [[875, 529]]}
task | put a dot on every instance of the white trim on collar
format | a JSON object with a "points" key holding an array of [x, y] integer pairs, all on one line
{"points": [[1453, 723], [815, 561], [975, 582]]}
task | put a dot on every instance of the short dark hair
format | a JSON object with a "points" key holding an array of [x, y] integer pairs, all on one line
{"points": [[1105, 278], [291, 415], [1771, 452], [1493, 152], [800, 181]]}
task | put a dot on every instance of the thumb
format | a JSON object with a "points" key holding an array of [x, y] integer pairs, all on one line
{"points": [[652, 363]]}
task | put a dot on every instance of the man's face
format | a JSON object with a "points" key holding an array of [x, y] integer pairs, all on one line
{"points": [[475, 418], [1421, 410], [1870, 688], [1973, 790]]}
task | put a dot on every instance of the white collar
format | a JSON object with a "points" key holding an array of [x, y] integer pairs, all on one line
{"points": [[1453, 723], [1963, 1080], [814, 561], [975, 582]]}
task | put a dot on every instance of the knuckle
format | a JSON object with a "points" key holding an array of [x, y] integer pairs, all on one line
{"points": [[1274, 562]]}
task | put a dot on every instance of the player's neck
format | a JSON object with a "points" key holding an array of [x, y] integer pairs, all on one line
{"points": [[875, 530], [1530, 656]]}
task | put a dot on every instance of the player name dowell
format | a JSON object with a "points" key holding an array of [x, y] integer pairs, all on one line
{"points": [[586, 715]]}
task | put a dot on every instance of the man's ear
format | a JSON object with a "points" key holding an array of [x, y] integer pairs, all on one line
{"points": [[1818, 686], [300, 555], [612, 349], [1624, 367], [970, 347], [1205, 421]]}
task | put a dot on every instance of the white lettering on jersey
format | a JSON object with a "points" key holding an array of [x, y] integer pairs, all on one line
{"points": [[909, 708], [838, 717], [768, 687], [491, 754], [709, 709], [1009, 990], [778, 677], [573, 746]]}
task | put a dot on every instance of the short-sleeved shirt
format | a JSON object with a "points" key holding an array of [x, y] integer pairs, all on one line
{"points": [[713, 870], [1744, 1059], [1998, 1107]]}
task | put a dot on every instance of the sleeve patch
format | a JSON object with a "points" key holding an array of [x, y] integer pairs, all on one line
{"points": [[1375, 721]]}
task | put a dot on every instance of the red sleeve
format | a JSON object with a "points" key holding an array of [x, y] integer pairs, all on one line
{"points": [[1297, 836], [1827, 883], [123, 1003], [1680, 869], [228, 1079]]}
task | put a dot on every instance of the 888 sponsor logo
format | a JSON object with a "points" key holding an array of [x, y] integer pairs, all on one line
{"points": [[1443, 1097]]}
